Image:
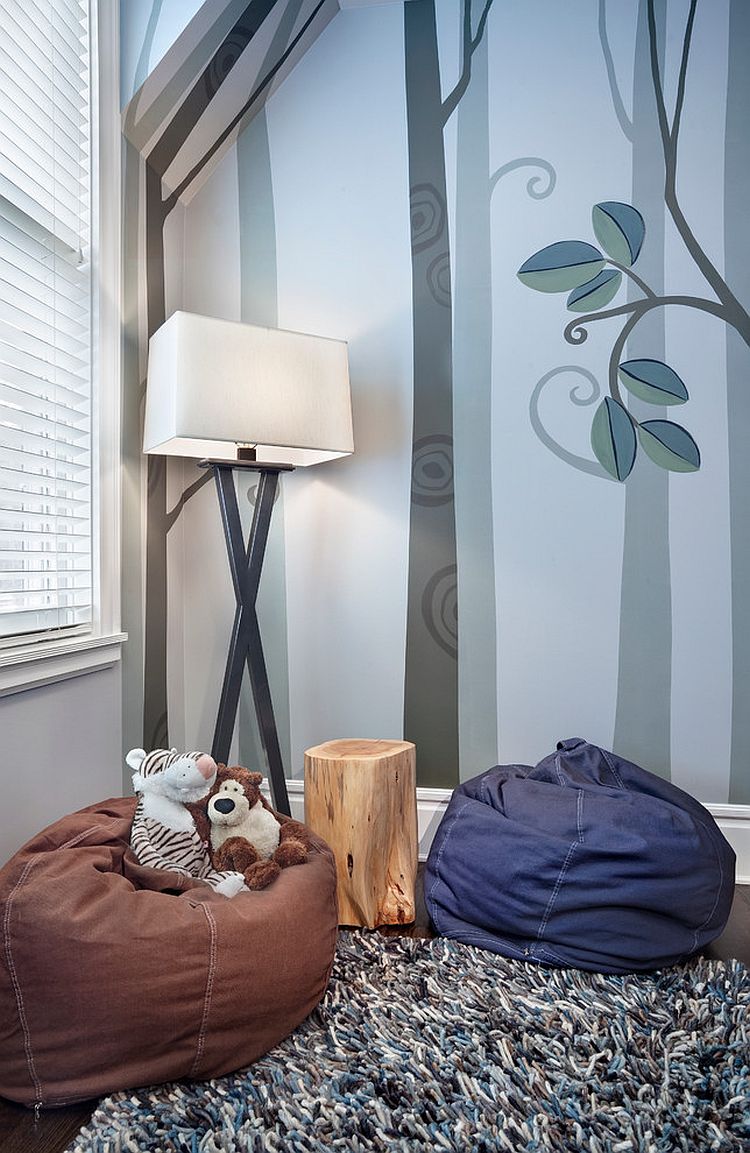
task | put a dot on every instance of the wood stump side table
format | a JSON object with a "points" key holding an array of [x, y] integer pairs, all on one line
{"points": [[361, 797]]}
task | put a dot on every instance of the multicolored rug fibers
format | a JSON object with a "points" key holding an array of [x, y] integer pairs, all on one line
{"points": [[433, 1045]]}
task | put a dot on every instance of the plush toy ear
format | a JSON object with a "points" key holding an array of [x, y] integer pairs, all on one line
{"points": [[206, 766], [255, 778], [135, 758]]}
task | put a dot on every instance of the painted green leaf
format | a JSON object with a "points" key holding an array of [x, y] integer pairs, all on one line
{"points": [[652, 381], [561, 266], [669, 445], [613, 438], [596, 293], [620, 230]]}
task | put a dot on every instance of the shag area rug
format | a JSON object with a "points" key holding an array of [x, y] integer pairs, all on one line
{"points": [[432, 1045]]}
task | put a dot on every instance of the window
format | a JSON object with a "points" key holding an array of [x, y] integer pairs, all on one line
{"points": [[58, 369]]}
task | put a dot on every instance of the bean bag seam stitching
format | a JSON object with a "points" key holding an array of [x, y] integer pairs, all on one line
{"points": [[481, 935], [17, 985], [212, 957], [565, 866], [613, 770], [28, 1049], [716, 898], [546, 951]]}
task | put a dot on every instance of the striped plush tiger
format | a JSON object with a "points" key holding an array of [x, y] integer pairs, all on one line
{"points": [[164, 835]]}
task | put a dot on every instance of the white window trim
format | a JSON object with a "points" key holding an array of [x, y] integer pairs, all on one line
{"points": [[26, 666], [30, 666]]}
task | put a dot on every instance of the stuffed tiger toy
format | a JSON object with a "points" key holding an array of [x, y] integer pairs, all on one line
{"points": [[164, 833]]}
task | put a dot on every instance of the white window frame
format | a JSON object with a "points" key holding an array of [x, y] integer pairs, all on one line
{"points": [[37, 663]]}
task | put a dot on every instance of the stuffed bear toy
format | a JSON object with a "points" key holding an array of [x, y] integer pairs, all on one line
{"points": [[245, 833], [164, 833]]}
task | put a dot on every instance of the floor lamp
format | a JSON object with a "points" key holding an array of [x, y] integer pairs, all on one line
{"points": [[241, 397]]}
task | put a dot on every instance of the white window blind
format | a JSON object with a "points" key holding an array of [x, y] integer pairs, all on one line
{"points": [[45, 319]]}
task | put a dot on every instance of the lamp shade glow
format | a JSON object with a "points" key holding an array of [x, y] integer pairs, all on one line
{"points": [[215, 384]]}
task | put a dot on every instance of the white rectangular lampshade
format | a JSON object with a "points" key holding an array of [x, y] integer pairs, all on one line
{"points": [[215, 384]]}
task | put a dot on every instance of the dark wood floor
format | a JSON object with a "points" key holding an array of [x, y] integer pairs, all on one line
{"points": [[56, 1128]]}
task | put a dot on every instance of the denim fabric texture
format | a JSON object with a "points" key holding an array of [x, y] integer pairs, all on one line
{"points": [[585, 860]]}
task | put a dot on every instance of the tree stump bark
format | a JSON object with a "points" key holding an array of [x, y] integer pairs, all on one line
{"points": [[360, 796]]}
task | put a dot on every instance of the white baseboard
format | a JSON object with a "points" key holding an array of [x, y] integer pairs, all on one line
{"points": [[733, 820]]}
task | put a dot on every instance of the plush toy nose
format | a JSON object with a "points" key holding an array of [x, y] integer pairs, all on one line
{"points": [[224, 804]]}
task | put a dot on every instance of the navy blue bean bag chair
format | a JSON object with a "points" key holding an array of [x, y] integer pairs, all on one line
{"points": [[585, 861]]}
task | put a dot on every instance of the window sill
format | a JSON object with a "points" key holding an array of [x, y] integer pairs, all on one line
{"points": [[32, 666]]}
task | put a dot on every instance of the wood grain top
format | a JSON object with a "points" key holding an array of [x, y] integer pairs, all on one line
{"points": [[350, 749]]}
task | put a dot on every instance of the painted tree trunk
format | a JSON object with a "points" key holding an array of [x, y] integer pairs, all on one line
{"points": [[737, 273], [132, 461], [259, 305], [431, 680], [644, 683], [472, 412], [155, 711]]}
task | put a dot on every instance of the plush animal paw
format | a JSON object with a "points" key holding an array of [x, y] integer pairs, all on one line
{"points": [[232, 884], [290, 852], [261, 874], [294, 844], [236, 853]]}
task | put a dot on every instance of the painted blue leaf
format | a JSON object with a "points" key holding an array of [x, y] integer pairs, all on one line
{"points": [[561, 266], [669, 445], [613, 438], [652, 381], [596, 293], [620, 230]]}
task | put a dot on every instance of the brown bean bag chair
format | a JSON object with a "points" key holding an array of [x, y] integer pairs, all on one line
{"points": [[113, 975]]}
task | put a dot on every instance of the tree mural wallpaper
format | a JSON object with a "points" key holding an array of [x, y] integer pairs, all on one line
{"points": [[643, 715], [479, 188], [451, 610], [578, 267], [593, 276], [553, 567], [431, 692]]}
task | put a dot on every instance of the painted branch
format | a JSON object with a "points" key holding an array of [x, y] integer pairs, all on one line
{"points": [[649, 292], [617, 350], [733, 313], [575, 330], [360, 796], [582, 463], [626, 124], [527, 162], [469, 48]]}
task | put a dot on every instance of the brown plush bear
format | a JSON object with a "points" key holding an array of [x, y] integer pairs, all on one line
{"points": [[243, 831]]}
